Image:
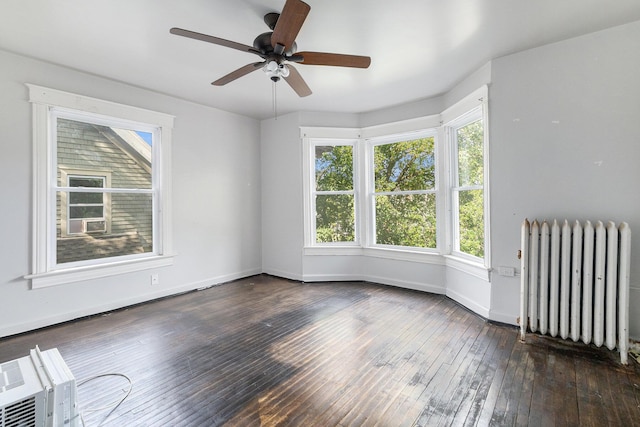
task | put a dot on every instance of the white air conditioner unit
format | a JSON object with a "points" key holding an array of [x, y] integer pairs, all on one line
{"points": [[38, 390]]}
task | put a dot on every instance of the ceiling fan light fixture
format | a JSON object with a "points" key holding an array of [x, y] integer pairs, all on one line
{"points": [[275, 71], [284, 70]]}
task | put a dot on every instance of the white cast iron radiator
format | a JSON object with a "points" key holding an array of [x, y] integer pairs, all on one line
{"points": [[575, 282]]}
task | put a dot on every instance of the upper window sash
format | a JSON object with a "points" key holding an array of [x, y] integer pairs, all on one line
{"points": [[453, 128]]}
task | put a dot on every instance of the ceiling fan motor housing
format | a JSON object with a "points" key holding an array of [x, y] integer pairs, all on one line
{"points": [[263, 44]]}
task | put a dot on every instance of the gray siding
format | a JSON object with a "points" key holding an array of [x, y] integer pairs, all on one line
{"points": [[88, 147]]}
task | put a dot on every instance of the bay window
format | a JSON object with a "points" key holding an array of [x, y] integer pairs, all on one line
{"points": [[413, 190]]}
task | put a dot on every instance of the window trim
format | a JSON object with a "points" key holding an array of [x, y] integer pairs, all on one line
{"points": [[44, 101]]}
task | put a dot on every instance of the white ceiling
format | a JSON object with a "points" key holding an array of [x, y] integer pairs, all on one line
{"points": [[419, 48]]}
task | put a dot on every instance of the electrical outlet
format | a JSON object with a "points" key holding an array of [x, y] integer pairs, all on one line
{"points": [[507, 271], [155, 279]]}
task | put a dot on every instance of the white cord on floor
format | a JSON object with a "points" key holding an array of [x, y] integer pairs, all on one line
{"points": [[113, 405]]}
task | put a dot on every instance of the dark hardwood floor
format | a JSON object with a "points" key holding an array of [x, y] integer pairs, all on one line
{"points": [[264, 351]]}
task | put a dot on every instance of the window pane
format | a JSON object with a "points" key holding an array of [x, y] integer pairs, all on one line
{"points": [[146, 137], [75, 226], [334, 168], [85, 212], [470, 155], [78, 181], [88, 147], [335, 218], [407, 165], [85, 198], [406, 220], [130, 230], [471, 222]]}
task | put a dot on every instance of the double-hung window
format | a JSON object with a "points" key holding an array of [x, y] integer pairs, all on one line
{"points": [[101, 188], [333, 194], [467, 189], [403, 188], [86, 212], [465, 128]]}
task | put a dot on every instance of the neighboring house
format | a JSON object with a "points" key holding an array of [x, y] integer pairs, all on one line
{"points": [[93, 225]]}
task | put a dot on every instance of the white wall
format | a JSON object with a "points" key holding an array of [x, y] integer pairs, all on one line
{"points": [[565, 143], [216, 200], [282, 197]]}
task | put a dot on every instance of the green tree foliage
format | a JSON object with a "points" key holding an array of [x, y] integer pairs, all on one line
{"points": [[472, 222], [471, 201], [405, 219], [335, 213]]}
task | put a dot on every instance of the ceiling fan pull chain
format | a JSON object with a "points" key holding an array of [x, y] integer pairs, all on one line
{"points": [[274, 100]]}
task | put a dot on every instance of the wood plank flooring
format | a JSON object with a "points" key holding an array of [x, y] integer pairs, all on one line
{"points": [[265, 351]]}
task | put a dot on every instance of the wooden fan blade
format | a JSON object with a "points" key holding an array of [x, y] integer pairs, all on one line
{"points": [[289, 23], [243, 71], [334, 59], [214, 40], [296, 82]]}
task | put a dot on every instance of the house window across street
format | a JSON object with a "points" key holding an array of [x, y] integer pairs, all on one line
{"points": [[86, 211]]}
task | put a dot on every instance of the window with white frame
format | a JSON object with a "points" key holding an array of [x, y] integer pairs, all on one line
{"points": [[403, 190], [467, 183], [424, 187], [82, 211], [334, 197], [101, 201]]}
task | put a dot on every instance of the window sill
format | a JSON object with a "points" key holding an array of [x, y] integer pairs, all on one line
{"points": [[386, 253], [77, 274], [473, 268], [333, 250]]}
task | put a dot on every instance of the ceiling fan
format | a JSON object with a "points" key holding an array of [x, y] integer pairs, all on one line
{"points": [[277, 47]]}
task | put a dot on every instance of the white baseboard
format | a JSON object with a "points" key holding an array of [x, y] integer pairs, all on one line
{"points": [[332, 278], [417, 286], [284, 274], [509, 319], [470, 304], [18, 328]]}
